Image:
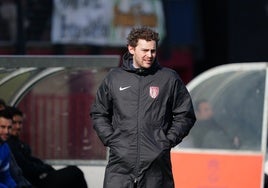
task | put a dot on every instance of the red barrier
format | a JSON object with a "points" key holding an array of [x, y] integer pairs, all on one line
{"points": [[217, 170]]}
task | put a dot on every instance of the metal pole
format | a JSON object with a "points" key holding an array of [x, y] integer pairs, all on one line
{"points": [[20, 42]]}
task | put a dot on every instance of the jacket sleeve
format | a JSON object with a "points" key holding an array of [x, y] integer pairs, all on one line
{"points": [[5, 176], [183, 114], [32, 167], [101, 113]]}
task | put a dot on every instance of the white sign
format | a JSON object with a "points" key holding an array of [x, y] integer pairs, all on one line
{"points": [[103, 22]]}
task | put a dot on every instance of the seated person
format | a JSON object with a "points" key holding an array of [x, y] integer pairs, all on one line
{"points": [[6, 181], [39, 173], [207, 133], [15, 170]]}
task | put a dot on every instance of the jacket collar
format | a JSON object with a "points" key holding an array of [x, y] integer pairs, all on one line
{"points": [[127, 65]]}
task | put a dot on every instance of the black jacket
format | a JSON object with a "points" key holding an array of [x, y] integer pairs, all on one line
{"points": [[17, 174], [140, 114], [31, 166]]}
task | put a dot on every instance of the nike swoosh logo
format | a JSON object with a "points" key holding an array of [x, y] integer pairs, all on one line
{"points": [[123, 88]]}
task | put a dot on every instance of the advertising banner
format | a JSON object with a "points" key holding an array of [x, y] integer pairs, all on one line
{"points": [[103, 22]]}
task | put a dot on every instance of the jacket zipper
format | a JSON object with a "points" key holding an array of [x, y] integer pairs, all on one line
{"points": [[135, 183], [138, 138]]}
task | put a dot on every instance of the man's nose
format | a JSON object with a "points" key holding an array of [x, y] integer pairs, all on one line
{"points": [[149, 54], [6, 130]]}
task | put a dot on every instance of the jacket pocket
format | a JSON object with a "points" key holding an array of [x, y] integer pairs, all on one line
{"points": [[162, 139]]}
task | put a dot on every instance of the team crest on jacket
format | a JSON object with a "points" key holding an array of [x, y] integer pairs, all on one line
{"points": [[154, 91]]}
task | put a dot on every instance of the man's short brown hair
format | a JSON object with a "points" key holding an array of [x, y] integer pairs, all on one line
{"points": [[143, 32]]}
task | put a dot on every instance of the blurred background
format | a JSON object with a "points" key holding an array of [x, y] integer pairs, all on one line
{"points": [[195, 34]]}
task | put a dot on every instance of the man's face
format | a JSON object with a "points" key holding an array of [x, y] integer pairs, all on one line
{"points": [[5, 126], [16, 125], [205, 111], [143, 54]]}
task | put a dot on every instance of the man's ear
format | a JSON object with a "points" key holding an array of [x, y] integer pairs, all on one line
{"points": [[131, 49]]}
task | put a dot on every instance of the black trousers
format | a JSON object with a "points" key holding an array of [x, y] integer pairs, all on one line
{"points": [[68, 177]]}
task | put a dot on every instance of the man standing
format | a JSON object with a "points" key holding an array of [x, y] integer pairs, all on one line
{"points": [[141, 111], [6, 181]]}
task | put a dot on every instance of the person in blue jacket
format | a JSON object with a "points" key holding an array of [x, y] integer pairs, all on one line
{"points": [[39, 173], [6, 181], [141, 110]]}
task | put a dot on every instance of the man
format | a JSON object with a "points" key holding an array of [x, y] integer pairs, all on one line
{"points": [[15, 170], [207, 132], [6, 181], [39, 173], [141, 111]]}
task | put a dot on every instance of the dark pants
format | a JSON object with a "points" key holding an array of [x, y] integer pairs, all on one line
{"points": [[265, 181], [70, 176]]}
